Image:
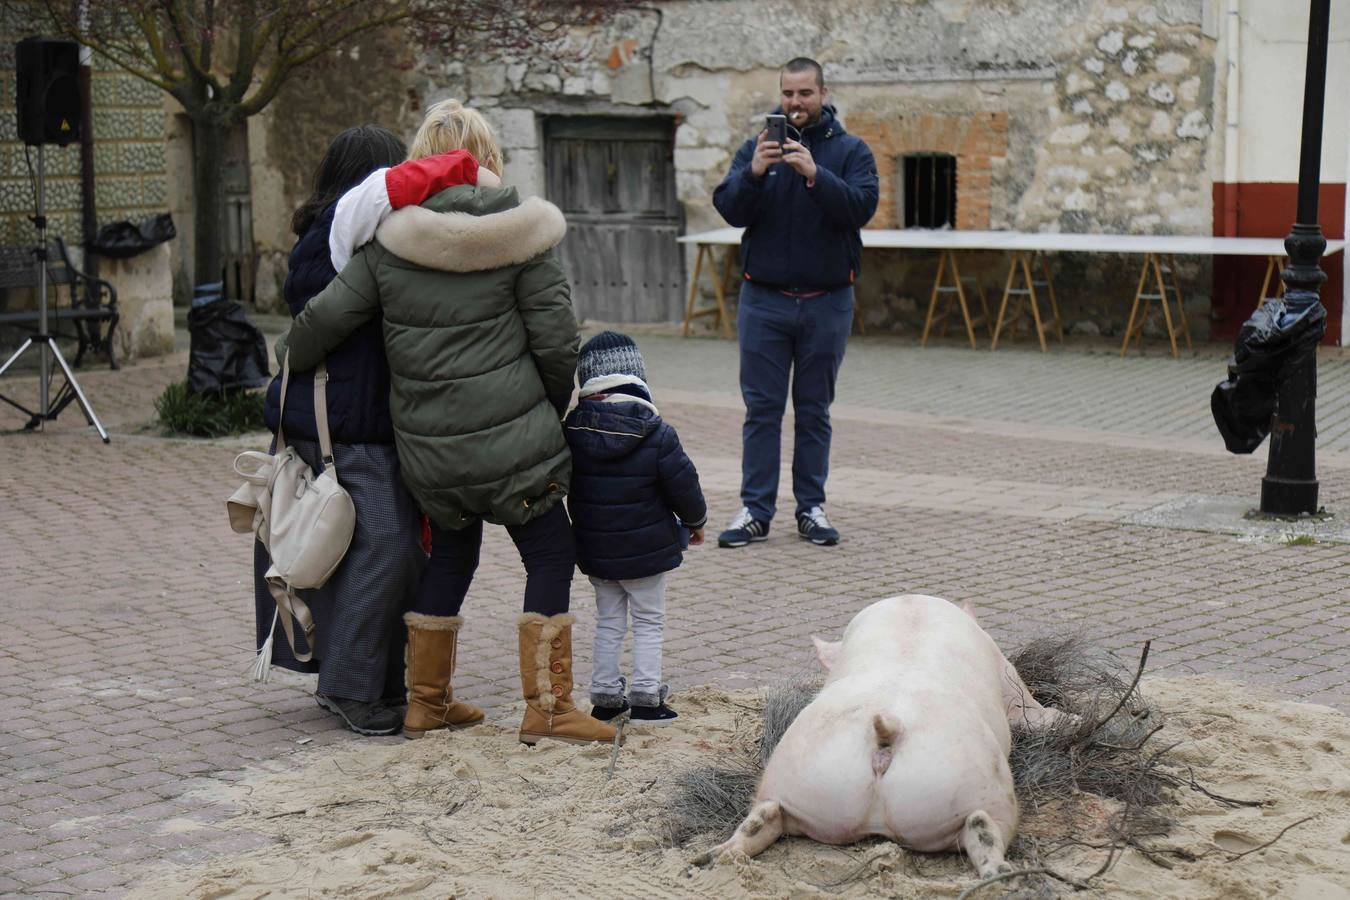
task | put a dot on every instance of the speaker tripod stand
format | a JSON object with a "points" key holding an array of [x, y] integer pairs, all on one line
{"points": [[44, 341]]}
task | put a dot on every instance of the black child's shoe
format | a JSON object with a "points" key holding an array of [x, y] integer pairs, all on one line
{"points": [[651, 709], [608, 713], [653, 715]]}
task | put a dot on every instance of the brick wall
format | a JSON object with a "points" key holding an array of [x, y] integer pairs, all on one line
{"points": [[979, 142]]}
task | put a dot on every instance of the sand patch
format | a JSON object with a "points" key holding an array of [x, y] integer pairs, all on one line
{"points": [[476, 814]]}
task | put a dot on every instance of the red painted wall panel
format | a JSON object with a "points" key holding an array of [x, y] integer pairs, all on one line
{"points": [[1266, 209]]}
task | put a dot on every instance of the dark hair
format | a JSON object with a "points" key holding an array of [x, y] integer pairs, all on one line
{"points": [[350, 157], [805, 64]]}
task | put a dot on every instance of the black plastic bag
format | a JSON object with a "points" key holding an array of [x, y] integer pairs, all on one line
{"points": [[228, 352], [1244, 403], [119, 240], [1242, 407]]}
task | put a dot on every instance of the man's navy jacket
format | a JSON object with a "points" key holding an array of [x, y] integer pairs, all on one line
{"points": [[798, 237]]}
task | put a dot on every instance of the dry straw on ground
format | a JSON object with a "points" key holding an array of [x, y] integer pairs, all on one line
{"points": [[1103, 774], [476, 814]]}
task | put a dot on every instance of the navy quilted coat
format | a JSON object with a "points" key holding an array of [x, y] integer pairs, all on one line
{"points": [[631, 480], [358, 372]]}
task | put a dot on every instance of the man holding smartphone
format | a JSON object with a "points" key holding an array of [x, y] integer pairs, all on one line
{"points": [[802, 200]]}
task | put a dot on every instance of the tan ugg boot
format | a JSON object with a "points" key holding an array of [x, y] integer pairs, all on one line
{"points": [[546, 679], [430, 668]]}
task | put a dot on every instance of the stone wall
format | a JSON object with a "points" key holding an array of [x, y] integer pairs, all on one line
{"points": [[144, 287], [1072, 115], [130, 183], [370, 82]]}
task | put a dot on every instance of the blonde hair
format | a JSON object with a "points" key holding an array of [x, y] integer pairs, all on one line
{"points": [[450, 125]]}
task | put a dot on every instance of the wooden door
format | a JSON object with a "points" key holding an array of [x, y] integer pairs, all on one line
{"points": [[614, 180]]}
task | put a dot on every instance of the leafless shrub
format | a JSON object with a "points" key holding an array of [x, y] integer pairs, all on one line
{"points": [[1108, 753], [712, 800], [782, 703], [709, 800]]}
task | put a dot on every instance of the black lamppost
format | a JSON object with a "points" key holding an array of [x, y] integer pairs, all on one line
{"points": [[1290, 485]]}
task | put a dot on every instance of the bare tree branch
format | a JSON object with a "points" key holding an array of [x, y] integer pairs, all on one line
{"points": [[133, 56], [145, 23], [179, 19], [245, 31], [283, 64], [226, 60]]}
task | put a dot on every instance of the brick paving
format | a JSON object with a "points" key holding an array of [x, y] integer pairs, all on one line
{"points": [[1000, 478]]}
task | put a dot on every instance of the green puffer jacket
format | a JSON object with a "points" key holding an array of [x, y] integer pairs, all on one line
{"points": [[482, 347]]}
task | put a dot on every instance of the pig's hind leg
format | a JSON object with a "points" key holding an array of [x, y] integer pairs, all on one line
{"points": [[763, 826], [984, 842], [1022, 708]]}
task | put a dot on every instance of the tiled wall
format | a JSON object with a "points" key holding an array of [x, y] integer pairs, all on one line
{"points": [[130, 180]]}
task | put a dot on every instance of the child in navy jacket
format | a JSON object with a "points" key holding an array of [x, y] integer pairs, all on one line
{"points": [[636, 504]]}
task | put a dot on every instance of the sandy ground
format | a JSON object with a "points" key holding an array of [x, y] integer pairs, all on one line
{"points": [[476, 814]]}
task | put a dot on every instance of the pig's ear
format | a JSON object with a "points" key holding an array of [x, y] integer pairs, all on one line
{"points": [[969, 609], [826, 651]]}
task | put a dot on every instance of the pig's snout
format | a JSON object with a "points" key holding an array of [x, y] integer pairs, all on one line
{"points": [[886, 730]]}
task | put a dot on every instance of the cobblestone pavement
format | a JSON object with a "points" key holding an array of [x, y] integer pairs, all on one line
{"points": [[999, 478]]}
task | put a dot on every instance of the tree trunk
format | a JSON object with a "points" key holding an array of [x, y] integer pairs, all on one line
{"points": [[210, 130]]}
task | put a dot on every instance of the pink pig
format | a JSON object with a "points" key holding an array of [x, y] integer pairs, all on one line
{"points": [[908, 739]]}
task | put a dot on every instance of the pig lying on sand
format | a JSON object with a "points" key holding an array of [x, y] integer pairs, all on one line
{"points": [[908, 739]]}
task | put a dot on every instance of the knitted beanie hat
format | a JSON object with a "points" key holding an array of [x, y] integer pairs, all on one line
{"points": [[609, 353]]}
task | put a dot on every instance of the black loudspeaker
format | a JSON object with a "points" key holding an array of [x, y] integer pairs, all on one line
{"points": [[48, 103]]}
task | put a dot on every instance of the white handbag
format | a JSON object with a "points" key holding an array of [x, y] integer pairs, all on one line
{"points": [[305, 521]]}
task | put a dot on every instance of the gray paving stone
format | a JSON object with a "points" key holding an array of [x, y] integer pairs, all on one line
{"points": [[102, 880], [34, 876], [130, 852], [78, 865], [23, 859], [14, 840], [49, 799], [1019, 473]]}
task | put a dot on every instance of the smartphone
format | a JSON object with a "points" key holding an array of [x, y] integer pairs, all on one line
{"points": [[777, 128]]}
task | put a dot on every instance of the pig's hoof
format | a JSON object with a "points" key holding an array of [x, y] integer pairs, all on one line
{"points": [[721, 853], [1004, 868]]}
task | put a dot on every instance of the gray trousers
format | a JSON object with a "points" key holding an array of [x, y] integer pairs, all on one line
{"points": [[645, 600], [358, 614]]}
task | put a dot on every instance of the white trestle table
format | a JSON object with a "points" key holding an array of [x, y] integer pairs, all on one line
{"points": [[1026, 260]]}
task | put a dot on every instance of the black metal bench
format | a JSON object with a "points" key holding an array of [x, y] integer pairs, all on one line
{"points": [[91, 302]]}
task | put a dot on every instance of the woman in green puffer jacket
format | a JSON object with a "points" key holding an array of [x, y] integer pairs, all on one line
{"points": [[482, 346]]}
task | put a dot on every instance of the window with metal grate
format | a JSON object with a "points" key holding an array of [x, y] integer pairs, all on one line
{"points": [[929, 189]]}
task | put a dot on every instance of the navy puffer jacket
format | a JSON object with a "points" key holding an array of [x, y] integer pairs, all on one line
{"points": [[631, 480], [358, 373]]}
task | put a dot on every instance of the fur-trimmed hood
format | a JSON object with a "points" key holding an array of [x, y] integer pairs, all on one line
{"points": [[470, 229]]}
